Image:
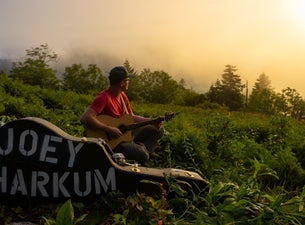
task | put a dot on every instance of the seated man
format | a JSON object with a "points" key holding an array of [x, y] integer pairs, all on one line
{"points": [[114, 102]]}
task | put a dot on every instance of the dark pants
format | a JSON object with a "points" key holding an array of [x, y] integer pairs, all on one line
{"points": [[144, 143]]}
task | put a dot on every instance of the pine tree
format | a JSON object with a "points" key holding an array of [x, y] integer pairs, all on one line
{"points": [[262, 99], [262, 83], [228, 90]]}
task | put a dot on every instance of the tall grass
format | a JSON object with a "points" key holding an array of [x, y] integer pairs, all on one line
{"points": [[254, 163]]}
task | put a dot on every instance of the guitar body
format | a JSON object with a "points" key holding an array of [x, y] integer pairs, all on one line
{"points": [[125, 120]]}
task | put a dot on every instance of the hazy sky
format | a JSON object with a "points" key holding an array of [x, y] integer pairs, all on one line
{"points": [[190, 39]]}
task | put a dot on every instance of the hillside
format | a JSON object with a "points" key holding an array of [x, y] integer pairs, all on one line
{"points": [[254, 163]]}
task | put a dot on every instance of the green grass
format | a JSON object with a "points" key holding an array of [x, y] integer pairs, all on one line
{"points": [[254, 163]]}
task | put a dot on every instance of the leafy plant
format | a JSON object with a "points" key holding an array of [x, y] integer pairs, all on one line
{"points": [[65, 216]]}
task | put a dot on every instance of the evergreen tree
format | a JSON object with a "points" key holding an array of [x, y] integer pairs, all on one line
{"points": [[262, 99], [182, 82], [228, 91], [134, 86], [129, 68], [262, 83]]}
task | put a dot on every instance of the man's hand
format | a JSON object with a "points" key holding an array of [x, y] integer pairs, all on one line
{"points": [[159, 125], [114, 132]]}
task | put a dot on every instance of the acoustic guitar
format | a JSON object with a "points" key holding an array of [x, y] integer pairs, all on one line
{"points": [[126, 125]]}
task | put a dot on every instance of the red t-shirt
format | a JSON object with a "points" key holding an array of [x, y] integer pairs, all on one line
{"points": [[108, 104]]}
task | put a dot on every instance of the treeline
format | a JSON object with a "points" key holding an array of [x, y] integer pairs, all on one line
{"points": [[159, 86]]}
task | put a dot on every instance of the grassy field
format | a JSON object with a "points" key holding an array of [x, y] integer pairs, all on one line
{"points": [[254, 164]]}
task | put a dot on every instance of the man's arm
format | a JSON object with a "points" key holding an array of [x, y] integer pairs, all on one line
{"points": [[89, 120], [139, 119]]}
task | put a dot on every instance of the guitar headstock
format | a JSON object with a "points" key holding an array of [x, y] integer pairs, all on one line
{"points": [[170, 115]]}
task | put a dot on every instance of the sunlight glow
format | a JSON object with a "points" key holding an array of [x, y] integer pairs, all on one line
{"points": [[298, 12]]}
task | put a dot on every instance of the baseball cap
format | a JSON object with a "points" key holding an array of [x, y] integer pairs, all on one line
{"points": [[117, 74]]}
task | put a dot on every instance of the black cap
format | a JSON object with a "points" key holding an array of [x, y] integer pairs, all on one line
{"points": [[118, 74]]}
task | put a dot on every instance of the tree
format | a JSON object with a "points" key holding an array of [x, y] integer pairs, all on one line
{"points": [[35, 69], [129, 68], [3, 75], [262, 83], [192, 98], [215, 93], [263, 101], [295, 105], [262, 98], [288, 102], [156, 87], [84, 81], [228, 91], [134, 86], [182, 82]]}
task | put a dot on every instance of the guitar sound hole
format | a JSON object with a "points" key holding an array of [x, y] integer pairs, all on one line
{"points": [[122, 128], [108, 136]]}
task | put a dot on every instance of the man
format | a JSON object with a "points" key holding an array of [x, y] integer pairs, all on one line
{"points": [[114, 102]]}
